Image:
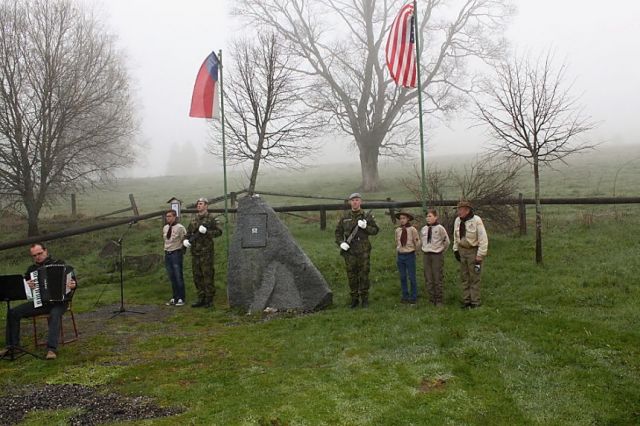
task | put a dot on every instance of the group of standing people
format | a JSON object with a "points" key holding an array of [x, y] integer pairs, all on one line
{"points": [[470, 245]]}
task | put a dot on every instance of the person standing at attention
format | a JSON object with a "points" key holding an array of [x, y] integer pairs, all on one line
{"points": [[200, 234], [352, 236], [407, 241], [173, 234], [435, 242], [470, 245]]}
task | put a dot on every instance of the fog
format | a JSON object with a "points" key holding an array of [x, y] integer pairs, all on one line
{"points": [[165, 43]]}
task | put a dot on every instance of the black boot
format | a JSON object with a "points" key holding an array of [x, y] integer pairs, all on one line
{"points": [[199, 304], [365, 301], [354, 302]]}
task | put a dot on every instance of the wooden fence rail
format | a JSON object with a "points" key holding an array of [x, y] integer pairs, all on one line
{"points": [[323, 208]]}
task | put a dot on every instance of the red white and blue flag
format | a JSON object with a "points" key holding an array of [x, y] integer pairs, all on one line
{"points": [[204, 98], [400, 50]]}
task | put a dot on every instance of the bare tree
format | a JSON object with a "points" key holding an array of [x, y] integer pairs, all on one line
{"points": [[268, 118], [66, 117], [532, 116], [488, 182], [341, 43]]}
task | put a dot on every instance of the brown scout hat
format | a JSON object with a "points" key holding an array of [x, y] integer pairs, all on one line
{"points": [[403, 213], [464, 203]]}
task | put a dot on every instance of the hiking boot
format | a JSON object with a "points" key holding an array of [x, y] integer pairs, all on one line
{"points": [[180, 302], [365, 302], [354, 302], [51, 355], [171, 302], [4, 351], [199, 304]]}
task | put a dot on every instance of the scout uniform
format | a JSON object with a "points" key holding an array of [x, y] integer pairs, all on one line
{"points": [[202, 256], [356, 257], [470, 241], [435, 242], [407, 241]]}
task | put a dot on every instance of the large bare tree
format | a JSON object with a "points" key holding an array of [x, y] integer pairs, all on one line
{"points": [[342, 43], [532, 115], [268, 118], [66, 117]]}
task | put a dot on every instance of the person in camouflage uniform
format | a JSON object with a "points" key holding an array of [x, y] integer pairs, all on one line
{"points": [[200, 234], [356, 252]]}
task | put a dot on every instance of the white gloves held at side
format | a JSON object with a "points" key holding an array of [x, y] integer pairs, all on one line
{"points": [[362, 223], [202, 229], [186, 243], [344, 246]]}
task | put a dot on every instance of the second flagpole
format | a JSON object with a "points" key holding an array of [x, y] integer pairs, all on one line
{"points": [[224, 159], [423, 183]]}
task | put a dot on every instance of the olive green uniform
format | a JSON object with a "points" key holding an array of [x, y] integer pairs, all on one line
{"points": [[202, 248], [357, 257]]}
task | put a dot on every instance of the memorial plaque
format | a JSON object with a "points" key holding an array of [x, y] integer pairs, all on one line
{"points": [[255, 233]]}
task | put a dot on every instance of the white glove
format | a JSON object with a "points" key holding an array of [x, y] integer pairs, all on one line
{"points": [[362, 223], [186, 243], [344, 246], [202, 229]]}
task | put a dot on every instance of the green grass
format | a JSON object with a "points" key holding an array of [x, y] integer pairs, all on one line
{"points": [[553, 344]]}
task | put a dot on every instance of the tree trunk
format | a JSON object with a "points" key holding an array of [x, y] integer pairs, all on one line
{"points": [[536, 178], [33, 211], [369, 167], [257, 156]]}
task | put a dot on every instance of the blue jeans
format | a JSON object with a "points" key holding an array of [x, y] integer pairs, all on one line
{"points": [[407, 266], [173, 265]]}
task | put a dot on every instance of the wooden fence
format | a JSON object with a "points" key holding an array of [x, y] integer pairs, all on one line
{"points": [[521, 202]]}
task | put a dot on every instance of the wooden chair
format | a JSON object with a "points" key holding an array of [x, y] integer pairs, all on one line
{"points": [[62, 338]]}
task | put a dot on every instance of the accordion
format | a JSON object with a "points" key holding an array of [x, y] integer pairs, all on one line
{"points": [[51, 284]]}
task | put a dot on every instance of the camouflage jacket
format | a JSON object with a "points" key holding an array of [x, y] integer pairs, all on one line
{"points": [[202, 243], [360, 242]]}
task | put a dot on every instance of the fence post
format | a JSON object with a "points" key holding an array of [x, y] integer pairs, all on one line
{"points": [[522, 213], [74, 210], [134, 207], [323, 219], [392, 212], [233, 197]]}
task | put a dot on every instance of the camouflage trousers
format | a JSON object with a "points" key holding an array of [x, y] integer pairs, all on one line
{"points": [[203, 273], [469, 278], [358, 273]]}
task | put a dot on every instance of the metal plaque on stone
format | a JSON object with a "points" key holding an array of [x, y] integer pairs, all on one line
{"points": [[255, 234]]}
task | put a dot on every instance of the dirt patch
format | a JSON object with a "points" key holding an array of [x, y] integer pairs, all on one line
{"points": [[97, 406], [430, 385]]}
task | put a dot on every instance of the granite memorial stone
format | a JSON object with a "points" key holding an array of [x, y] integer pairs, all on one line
{"points": [[267, 268]]}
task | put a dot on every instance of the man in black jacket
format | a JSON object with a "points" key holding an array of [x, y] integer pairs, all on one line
{"points": [[40, 256]]}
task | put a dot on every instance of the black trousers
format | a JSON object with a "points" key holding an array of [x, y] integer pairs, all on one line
{"points": [[15, 315]]}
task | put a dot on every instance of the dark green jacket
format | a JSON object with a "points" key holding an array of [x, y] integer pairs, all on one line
{"points": [[202, 243], [360, 242]]}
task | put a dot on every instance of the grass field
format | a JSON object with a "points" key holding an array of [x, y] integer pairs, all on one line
{"points": [[552, 344]]}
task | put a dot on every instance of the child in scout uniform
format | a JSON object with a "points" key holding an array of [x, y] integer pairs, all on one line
{"points": [[470, 245], [435, 241], [407, 241]]}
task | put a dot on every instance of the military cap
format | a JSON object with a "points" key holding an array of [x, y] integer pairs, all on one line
{"points": [[204, 200], [403, 213], [465, 203], [355, 195]]}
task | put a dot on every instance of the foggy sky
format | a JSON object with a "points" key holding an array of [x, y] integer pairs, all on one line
{"points": [[165, 43]]}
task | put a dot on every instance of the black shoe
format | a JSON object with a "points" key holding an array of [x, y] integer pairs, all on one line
{"points": [[208, 304], [354, 303], [365, 302], [465, 305], [199, 304]]}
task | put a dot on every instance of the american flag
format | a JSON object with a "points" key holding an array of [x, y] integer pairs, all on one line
{"points": [[204, 96], [400, 50]]}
